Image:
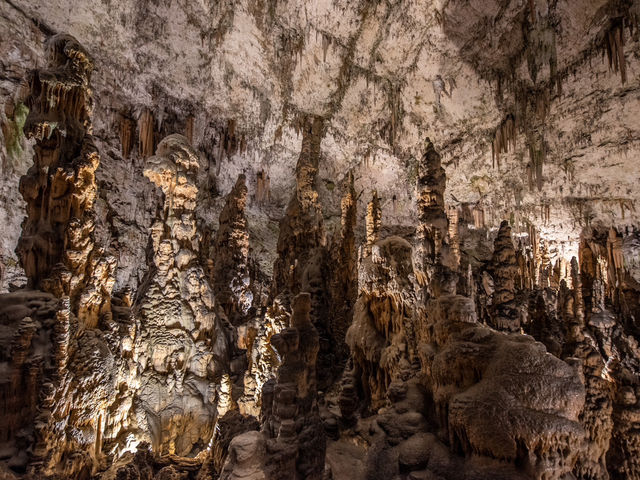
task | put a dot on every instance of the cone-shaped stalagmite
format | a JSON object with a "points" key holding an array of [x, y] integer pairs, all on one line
{"points": [[182, 341], [504, 271], [231, 262]]}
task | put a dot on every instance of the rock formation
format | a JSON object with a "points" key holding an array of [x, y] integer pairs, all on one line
{"points": [[433, 224], [302, 248], [344, 280], [504, 271], [373, 222], [301, 236], [231, 278], [296, 441], [228, 251], [57, 248], [184, 379], [67, 393]]}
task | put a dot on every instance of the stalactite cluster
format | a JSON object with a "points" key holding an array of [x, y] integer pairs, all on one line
{"points": [[613, 46], [504, 138]]}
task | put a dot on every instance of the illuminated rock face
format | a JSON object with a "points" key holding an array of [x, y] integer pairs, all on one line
{"points": [[182, 347], [57, 248], [398, 240], [68, 366]]}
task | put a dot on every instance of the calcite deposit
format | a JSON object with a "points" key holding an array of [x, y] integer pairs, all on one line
{"points": [[319, 240]]}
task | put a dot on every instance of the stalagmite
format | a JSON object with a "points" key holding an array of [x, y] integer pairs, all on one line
{"points": [[373, 222], [301, 230], [432, 250], [57, 247], [453, 218], [295, 438], [196, 294], [344, 280], [504, 272], [183, 341], [231, 282], [65, 384]]}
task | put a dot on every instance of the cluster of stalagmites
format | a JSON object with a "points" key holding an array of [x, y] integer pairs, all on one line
{"points": [[427, 363]]}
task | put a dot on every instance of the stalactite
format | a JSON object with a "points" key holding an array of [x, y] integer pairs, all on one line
{"points": [[504, 138], [326, 43], [536, 162], [126, 135], [532, 10], [613, 46], [478, 216], [188, 128], [263, 188], [394, 100], [146, 133], [229, 143]]}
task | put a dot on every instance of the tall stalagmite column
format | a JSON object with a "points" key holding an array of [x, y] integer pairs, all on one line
{"points": [[373, 222], [302, 263], [296, 444], [57, 247], [301, 230], [435, 263], [183, 342], [433, 224], [505, 271], [231, 277], [344, 280]]}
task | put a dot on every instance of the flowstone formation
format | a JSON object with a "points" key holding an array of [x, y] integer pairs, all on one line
{"points": [[183, 348]]}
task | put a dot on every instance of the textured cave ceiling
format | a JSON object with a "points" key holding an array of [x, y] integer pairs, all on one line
{"points": [[385, 75]]}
